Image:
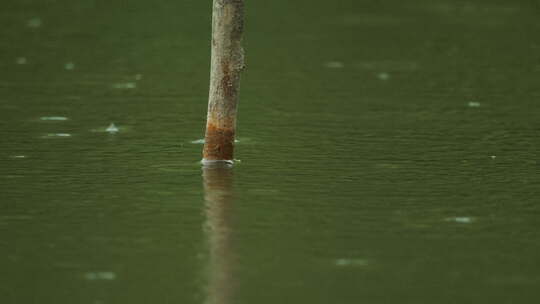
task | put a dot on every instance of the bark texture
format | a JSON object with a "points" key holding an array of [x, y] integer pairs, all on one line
{"points": [[226, 66]]}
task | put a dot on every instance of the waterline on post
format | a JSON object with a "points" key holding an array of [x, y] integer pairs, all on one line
{"points": [[212, 163]]}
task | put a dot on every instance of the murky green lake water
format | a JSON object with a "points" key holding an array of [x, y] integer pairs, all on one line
{"points": [[389, 154]]}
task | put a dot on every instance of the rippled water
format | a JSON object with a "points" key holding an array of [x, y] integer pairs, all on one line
{"points": [[389, 154]]}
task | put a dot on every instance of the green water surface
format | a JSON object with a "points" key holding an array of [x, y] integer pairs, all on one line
{"points": [[389, 154]]}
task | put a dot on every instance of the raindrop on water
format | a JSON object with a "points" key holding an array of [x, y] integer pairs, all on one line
{"points": [[50, 135], [34, 23], [351, 262], [383, 76], [100, 275], [69, 66], [334, 65], [112, 128], [460, 219], [125, 85], [55, 118]]}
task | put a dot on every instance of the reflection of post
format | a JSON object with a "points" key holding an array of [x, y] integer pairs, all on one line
{"points": [[218, 200]]}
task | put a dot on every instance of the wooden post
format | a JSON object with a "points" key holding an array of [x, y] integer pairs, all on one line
{"points": [[226, 66]]}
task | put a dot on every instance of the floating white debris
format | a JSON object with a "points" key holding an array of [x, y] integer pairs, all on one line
{"points": [[69, 66], [112, 128], [125, 85], [473, 104], [334, 65], [18, 156], [383, 76], [34, 23], [460, 219], [138, 76], [351, 262], [57, 135], [100, 275], [55, 118], [21, 60], [493, 156]]}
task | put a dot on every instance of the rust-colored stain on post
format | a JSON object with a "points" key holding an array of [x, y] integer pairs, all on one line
{"points": [[219, 143], [226, 66]]}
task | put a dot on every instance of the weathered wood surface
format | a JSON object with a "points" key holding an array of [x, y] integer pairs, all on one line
{"points": [[226, 67]]}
